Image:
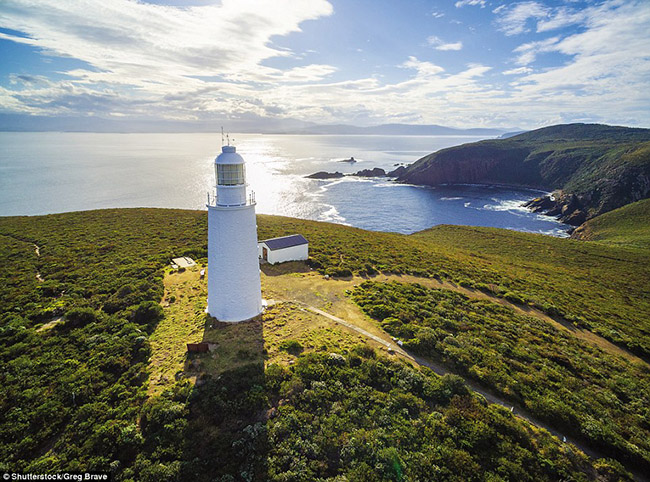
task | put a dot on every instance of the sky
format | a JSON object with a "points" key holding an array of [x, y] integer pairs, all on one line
{"points": [[458, 63]]}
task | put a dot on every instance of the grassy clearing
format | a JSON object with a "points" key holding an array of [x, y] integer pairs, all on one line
{"points": [[235, 345], [184, 322], [598, 287]]}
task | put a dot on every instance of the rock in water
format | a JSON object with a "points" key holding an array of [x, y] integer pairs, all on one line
{"points": [[376, 172], [325, 175]]}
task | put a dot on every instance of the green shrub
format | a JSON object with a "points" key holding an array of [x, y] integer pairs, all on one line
{"points": [[291, 346], [78, 317], [148, 313]]}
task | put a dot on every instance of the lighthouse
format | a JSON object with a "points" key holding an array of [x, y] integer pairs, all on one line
{"points": [[234, 290]]}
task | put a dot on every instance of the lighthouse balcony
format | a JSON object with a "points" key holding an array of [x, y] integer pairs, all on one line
{"points": [[226, 201]]}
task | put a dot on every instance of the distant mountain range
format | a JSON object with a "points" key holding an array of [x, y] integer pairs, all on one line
{"points": [[595, 168], [24, 123], [399, 129]]}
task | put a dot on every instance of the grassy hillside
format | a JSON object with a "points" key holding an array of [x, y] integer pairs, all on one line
{"points": [[567, 382], [626, 226], [75, 354], [85, 257], [600, 287], [604, 167]]}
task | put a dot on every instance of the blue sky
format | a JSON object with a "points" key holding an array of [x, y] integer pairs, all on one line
{"points": [[465, 63]]}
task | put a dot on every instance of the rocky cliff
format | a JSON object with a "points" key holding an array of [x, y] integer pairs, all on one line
{"points": [[594, 168]]}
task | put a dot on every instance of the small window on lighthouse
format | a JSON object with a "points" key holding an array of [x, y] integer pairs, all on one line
{"points": [[230, 174]]}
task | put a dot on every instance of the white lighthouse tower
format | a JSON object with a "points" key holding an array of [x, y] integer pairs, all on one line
{"points": [[234, 291]]}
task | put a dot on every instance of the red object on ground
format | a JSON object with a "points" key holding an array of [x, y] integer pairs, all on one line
{"points": [[198, 347]]}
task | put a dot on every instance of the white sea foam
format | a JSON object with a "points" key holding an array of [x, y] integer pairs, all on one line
{"points": [[332, 215], [391, 184], [506, 205], [345, 161], [451, 198], [342, 180]]}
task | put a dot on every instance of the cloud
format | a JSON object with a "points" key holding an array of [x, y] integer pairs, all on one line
{"points": [[463, 3], [423, 68], [517, 71], [528, 52], [450, 46], [439, 44], [562, 17], [514, 20], [607, 68], [24, 79], [161, 49], [197, 64], [437, 14]]}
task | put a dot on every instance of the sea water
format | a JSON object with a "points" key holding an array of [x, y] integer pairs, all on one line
{"points": [[42, 173]]}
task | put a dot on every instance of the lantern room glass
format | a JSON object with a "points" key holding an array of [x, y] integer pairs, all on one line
{"points": [[230, 174]]}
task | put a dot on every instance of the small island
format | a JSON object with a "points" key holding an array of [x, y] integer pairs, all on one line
{"points": [[375, 172], [325, 175], [351, 160]]}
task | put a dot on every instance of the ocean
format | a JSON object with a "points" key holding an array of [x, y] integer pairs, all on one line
{"points": [[51, 172]]}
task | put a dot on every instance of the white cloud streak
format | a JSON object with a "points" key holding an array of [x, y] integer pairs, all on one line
{"points": [[515, 19], [201, 62], [528, 52], [440, 44], [162, 50], [518, 71], [464, 3]]}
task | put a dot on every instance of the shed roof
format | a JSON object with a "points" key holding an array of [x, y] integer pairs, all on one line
{"points": [[285, 242], [184, 262]]}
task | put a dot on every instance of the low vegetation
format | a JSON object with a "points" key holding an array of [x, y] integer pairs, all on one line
{"points": [[628, 226], [573, 385], [76, 358], [599, 287]]}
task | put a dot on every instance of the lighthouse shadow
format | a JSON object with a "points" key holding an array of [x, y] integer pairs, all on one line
{"points": [[226, 431]]}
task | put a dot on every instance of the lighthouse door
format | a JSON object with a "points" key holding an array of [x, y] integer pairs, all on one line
{"points": [[265, 254]]}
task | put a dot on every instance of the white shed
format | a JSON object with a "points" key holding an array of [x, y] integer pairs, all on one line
{"points": [[286, 248]]}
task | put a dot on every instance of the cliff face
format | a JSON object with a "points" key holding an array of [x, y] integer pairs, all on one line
{"points": [[482, 162], [593, 168]]}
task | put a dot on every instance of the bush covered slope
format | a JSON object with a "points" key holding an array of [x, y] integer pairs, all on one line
{"points": [[600, 287], [569, 383], [74, 351], [604, 167], [626, 226]]}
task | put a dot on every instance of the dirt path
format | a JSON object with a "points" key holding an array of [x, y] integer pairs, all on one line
{"points": [[558, 323], [391, 346], [37, 251], [329, 294], [327, 298], [440, 369]]}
